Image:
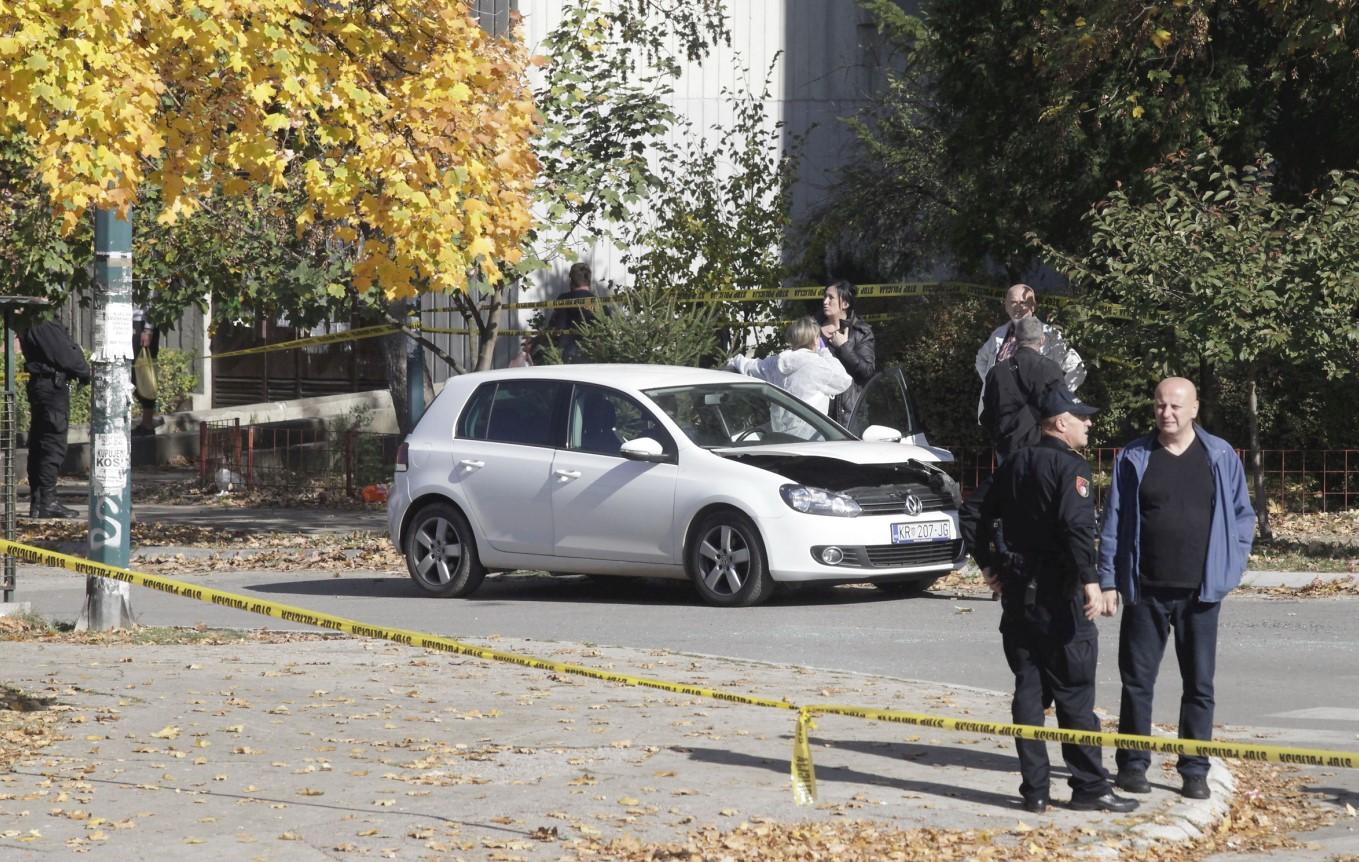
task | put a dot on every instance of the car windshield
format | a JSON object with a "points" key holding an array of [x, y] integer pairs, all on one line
{"points": [[749, 413]]}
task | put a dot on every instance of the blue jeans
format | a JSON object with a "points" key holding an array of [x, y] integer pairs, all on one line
{"points": [[1142, 642]]}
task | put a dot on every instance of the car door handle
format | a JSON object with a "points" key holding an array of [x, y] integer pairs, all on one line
{"points": [[469, 464], [566, 475]]}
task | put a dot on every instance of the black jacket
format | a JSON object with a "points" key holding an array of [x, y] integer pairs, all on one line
{"points": [[1044, 500], [1012, 397], [49, 351], [566, 321], [859, 355]]}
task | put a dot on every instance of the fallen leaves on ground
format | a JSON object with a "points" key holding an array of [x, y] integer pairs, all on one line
{"points": [[28, 724], [276, 551], [1318, 588], [31, 628], [1270, 807], [282, 492]]}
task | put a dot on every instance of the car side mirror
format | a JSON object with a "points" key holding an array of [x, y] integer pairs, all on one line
{"points": [[643, 449], [881, 434]]}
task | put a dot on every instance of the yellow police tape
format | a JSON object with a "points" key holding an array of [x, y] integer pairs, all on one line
{"points": [[385, 329], [769, 294], [802, 770], [312, 340]]}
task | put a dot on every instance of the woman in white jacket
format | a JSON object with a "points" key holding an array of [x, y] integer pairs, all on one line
{"points": [[801, 370]]}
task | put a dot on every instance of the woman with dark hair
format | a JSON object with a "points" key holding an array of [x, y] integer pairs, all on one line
{"points": [[850, 340]]}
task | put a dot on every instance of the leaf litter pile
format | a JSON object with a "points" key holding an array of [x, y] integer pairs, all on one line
{"points": [[240, 549], [1270, 807]]}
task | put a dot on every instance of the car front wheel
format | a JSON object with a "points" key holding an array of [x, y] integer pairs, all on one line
{"points": [[726, 561], [441, 552]]}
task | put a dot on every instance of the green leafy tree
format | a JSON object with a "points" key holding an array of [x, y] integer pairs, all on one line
{"points": [[720, 218], [609, 73], [1010, 118], [651, 326], [1209, 269]]}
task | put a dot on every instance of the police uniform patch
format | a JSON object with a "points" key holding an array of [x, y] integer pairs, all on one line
{"points": [[1082, 486]]}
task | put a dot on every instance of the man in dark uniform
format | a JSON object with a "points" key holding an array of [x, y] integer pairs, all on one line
{"points": [[563, 323], [1036, 546], [1014, 390], [51, 359]]}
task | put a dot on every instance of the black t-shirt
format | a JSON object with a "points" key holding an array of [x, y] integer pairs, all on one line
{"points": [[1176, 502]]}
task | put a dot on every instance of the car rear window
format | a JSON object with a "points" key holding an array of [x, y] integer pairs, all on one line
{"points": [[518, 411]]}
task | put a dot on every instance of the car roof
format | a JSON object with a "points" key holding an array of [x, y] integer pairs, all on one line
{"points": [[623, 376]]}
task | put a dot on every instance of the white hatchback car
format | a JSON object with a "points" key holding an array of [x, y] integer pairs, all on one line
{"points": [[663, 471]]}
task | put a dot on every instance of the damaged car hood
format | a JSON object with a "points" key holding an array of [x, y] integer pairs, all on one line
{"points": [[849, 451]]}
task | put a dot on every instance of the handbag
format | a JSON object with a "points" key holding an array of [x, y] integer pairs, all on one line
{"points": [[144, 375]]}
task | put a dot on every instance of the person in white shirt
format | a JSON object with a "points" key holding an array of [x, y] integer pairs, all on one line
{"points": [[1021, 302], [814, 376]]}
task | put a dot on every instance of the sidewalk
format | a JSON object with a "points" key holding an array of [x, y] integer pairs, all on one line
{"points": [[299, 750]]}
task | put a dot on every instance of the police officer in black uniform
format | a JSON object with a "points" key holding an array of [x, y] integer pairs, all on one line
{"points": [[51, 359], [1035, 542]]}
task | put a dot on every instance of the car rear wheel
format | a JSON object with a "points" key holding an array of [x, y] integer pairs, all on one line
{"points": [[441, 552], [907, 588], [726, 561]]}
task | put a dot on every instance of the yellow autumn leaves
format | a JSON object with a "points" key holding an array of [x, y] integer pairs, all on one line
{"points": [[405, 124]]}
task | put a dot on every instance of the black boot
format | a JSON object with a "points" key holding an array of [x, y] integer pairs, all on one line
{"points": [[52, 508], [35, 503]]}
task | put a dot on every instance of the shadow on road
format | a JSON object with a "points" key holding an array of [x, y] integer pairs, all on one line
{"points": [[827, 774], [584, 589]]}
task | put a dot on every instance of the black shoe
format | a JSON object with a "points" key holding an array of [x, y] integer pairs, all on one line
{"points": [[1036, 804], [1110, 801], [53, 509], [1133, 781], [1195, 787]]}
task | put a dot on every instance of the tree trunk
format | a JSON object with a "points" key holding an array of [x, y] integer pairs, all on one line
{"points": [[394, 357], [1257, 473], [1207, 392], [487, 336]]}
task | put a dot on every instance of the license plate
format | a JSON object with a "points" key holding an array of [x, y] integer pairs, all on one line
{"points": [[926, 531]]}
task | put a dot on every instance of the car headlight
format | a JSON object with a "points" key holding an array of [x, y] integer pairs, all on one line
{"points": [[819, 501]]}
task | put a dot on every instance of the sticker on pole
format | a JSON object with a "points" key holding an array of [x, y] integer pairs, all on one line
{"points": [[111, 461]]}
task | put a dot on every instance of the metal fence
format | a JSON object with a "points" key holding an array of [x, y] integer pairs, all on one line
{"points": [[297, 457], [1296, 480]]}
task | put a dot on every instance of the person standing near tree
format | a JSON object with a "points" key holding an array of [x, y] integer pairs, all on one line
{"points": [[1036, 546], [52, 359], [1021, 302], [1177, 533], [145, 336], [849, 339], [562, 323], [1013, 396]]}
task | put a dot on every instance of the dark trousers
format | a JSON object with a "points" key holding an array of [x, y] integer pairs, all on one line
{"points": [[49, 406], [1065, 673], [1142, 643]]}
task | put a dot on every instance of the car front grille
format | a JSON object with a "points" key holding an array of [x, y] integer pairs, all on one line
{"points": [[891, 499], [923, 554]]}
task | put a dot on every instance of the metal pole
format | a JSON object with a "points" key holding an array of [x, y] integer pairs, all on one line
{"points": [[108, 603], [8, 426], [415, 368]]}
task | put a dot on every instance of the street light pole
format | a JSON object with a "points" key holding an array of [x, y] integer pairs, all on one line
{"points": [[108, 603]]}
